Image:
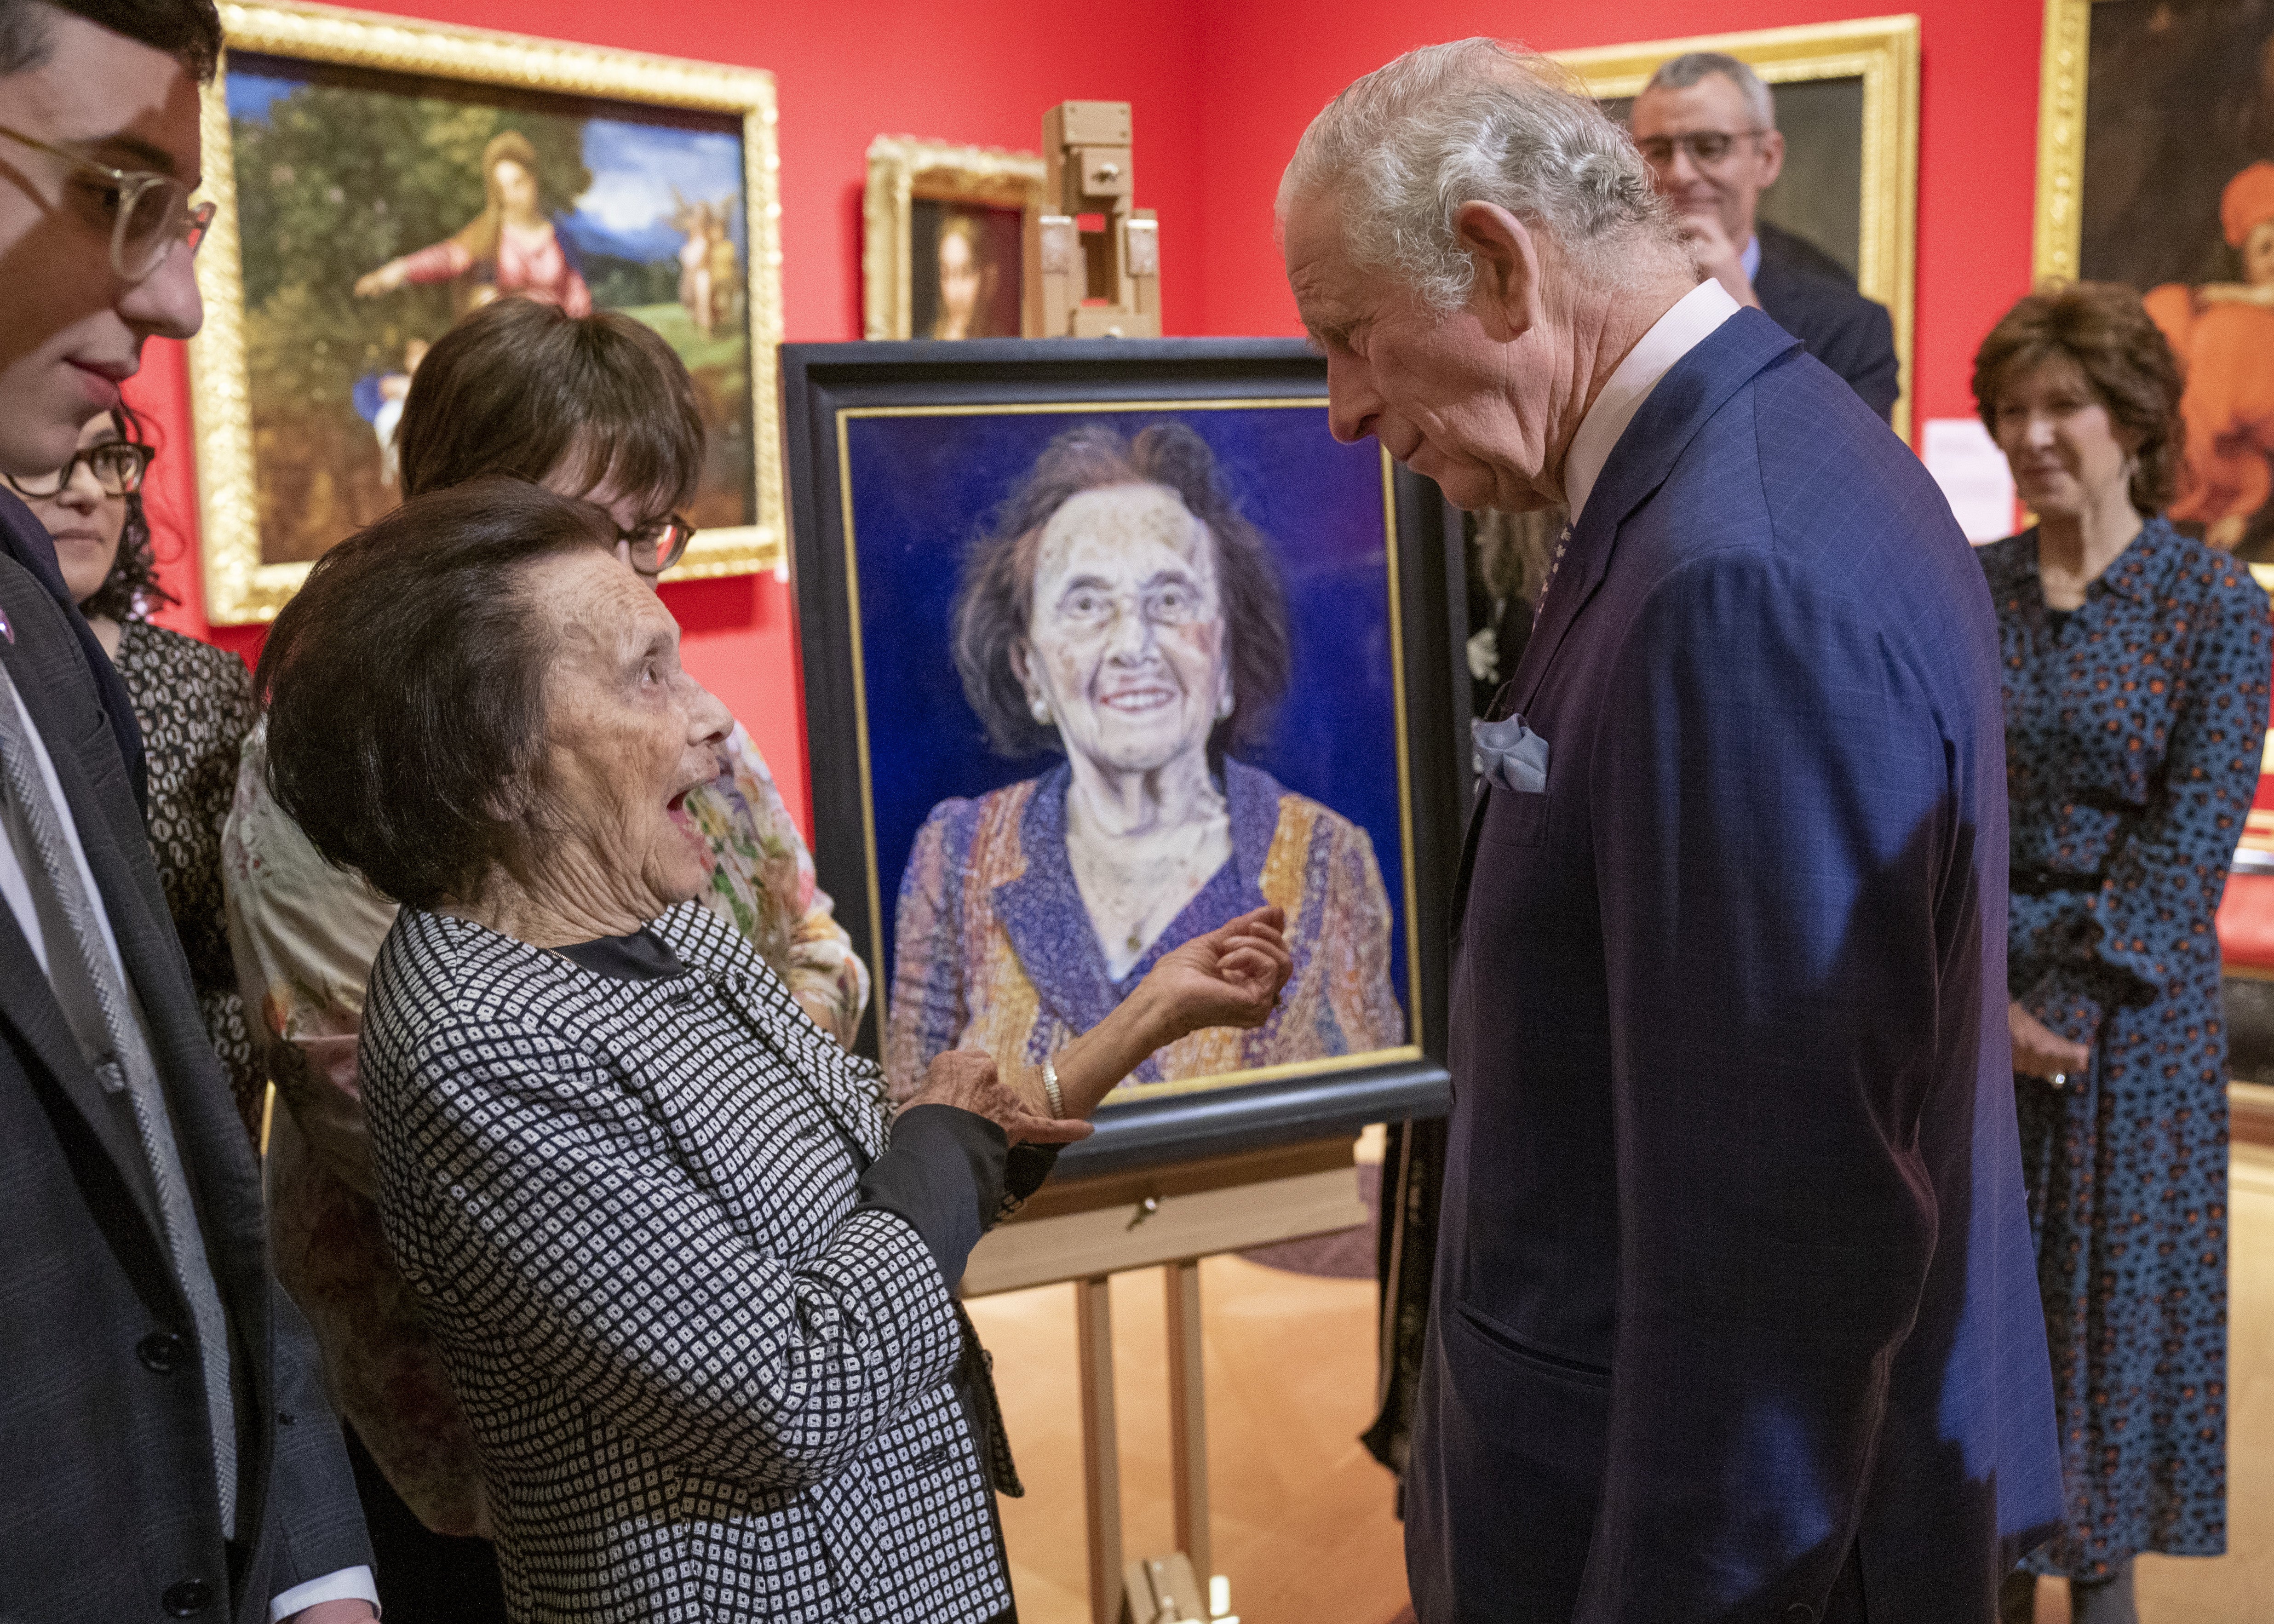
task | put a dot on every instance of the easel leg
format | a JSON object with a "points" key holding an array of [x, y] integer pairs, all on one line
{"points": [[1188, 1415], [1100, 1455]]}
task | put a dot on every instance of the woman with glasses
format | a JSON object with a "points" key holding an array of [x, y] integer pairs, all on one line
{"points": [[194, 703], [597, 407]]}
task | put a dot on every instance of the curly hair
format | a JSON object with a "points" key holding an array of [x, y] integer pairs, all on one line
{"points": [[996, 596], [131, 590], [2102, 328]]}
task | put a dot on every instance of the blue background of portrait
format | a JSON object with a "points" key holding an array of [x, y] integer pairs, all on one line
{"points": [[923, 490]]}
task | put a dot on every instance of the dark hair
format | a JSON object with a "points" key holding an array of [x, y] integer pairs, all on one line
{"points": [[405, 688], [187, 30], [131, 590], [996, 594], [2102, 328], [519, 385]]}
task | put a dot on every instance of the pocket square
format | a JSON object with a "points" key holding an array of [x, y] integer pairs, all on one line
{"points": [[1510, 754]]}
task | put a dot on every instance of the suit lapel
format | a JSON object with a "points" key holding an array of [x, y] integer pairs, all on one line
{"points": [[1691, 393]]}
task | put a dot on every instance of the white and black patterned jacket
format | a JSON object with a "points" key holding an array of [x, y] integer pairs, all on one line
{"points": [[707, 1382]]}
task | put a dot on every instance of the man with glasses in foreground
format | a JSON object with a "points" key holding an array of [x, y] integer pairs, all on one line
{"points": [[1707, 124], [167, 1448]]}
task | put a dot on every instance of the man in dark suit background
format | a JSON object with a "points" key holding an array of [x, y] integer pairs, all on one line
{"points": [[167, 1450], [1734, 1314], [1707, 126]]}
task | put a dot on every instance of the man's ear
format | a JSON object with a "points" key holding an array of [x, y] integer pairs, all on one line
{"points": [[1772, 158], [1506, 252]]}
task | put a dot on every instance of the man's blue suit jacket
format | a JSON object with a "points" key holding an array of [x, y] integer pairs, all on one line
{"points": [[1734, 1284]]}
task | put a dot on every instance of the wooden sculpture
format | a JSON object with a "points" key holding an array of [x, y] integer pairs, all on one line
{"points": [[1099, 284]]}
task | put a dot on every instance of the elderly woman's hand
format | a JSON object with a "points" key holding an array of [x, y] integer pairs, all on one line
{"points": [[966, 1078], [1229, 977]]}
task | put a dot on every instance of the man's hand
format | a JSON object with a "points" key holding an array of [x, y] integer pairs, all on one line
{"points": [[346, 1612], [1716, 256], [2040, 1051]]}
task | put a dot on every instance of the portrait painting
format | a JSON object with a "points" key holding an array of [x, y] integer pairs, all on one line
{"points": [[1126, 669], [964, 264], [2157, 170], [943, 226], [371, 207], [1847, 103]]}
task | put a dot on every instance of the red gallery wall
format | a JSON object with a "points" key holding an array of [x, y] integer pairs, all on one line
{"points": [[1221, 93]]}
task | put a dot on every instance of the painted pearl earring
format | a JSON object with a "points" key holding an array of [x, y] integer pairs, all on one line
{"points": [[1041, 710], [1224, 707]]}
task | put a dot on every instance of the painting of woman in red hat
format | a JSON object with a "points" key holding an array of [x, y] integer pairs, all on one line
{"points": [[2223, 332]]}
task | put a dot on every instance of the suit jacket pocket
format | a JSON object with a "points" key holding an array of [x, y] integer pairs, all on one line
{"points": [[1516, 817], [1507, 1344]]}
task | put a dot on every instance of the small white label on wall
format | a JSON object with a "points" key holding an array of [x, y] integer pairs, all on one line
{"points": [[1972, 472]]}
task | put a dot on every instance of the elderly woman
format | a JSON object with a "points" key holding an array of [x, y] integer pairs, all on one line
{"points": [[1126, 614], [194, 703], [597, 407], [694, 1289], [2136, 678]]}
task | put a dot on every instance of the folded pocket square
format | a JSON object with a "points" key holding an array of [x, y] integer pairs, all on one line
{"points": [[1510, 754]]}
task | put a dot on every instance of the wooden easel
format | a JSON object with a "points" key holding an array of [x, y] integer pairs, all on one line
{"points": [[1089, 171], [1170, 1218]]}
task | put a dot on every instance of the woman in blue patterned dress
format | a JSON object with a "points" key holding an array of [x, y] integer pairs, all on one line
{"points": [[2136, 676]]}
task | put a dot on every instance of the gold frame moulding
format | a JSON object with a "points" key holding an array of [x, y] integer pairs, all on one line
{"points": [[239, 588], [1884, 53]]}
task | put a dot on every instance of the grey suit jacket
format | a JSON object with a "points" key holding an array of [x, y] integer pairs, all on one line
{"points": [[107, 1503]]}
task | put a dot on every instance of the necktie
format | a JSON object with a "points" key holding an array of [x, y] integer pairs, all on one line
{"points": [[91, 990], [1553, 564]]}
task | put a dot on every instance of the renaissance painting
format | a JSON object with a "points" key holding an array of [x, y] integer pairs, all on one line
{"points": [[2158, 171], [944, 247], [369, 208], [1125, 669]]}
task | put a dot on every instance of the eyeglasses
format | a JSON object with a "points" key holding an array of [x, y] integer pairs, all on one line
{"points": [[1707, 149], [658, 543], [117, 466], [149, 213]]}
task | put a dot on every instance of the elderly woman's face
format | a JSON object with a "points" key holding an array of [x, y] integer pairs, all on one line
{"points": [[2066, 453], [1125, 634], [627, 734]]}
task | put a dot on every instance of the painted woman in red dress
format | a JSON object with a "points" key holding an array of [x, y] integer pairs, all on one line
{"points": [[511, 237]]}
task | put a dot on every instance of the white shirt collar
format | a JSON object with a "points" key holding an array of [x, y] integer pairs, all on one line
{"points": [[1694, 317]]}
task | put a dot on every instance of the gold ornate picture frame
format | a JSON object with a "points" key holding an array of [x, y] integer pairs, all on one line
{"points": [[914, 185], [728, 294], [1882, 55]]}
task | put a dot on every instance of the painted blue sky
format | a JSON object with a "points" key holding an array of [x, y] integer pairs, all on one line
{"points": [[634, 166]]}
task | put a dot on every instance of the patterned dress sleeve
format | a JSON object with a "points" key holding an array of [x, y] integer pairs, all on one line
{"points": [[304, 935], [1356, 945], [2149, 926], [928, 1008], [769, 860]]}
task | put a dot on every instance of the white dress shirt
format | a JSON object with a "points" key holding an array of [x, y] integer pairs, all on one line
{"points": [[1694, 317], [349, 1583]]}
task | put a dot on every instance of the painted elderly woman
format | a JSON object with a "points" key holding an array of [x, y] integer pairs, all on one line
{"points": [[694, 1288], [1126, 614]]}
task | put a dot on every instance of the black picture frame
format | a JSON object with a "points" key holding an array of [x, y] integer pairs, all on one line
{"points": [[827, 386]]}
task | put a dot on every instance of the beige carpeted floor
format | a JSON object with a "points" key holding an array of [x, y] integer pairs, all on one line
{"points": [[1303, 1524]]}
